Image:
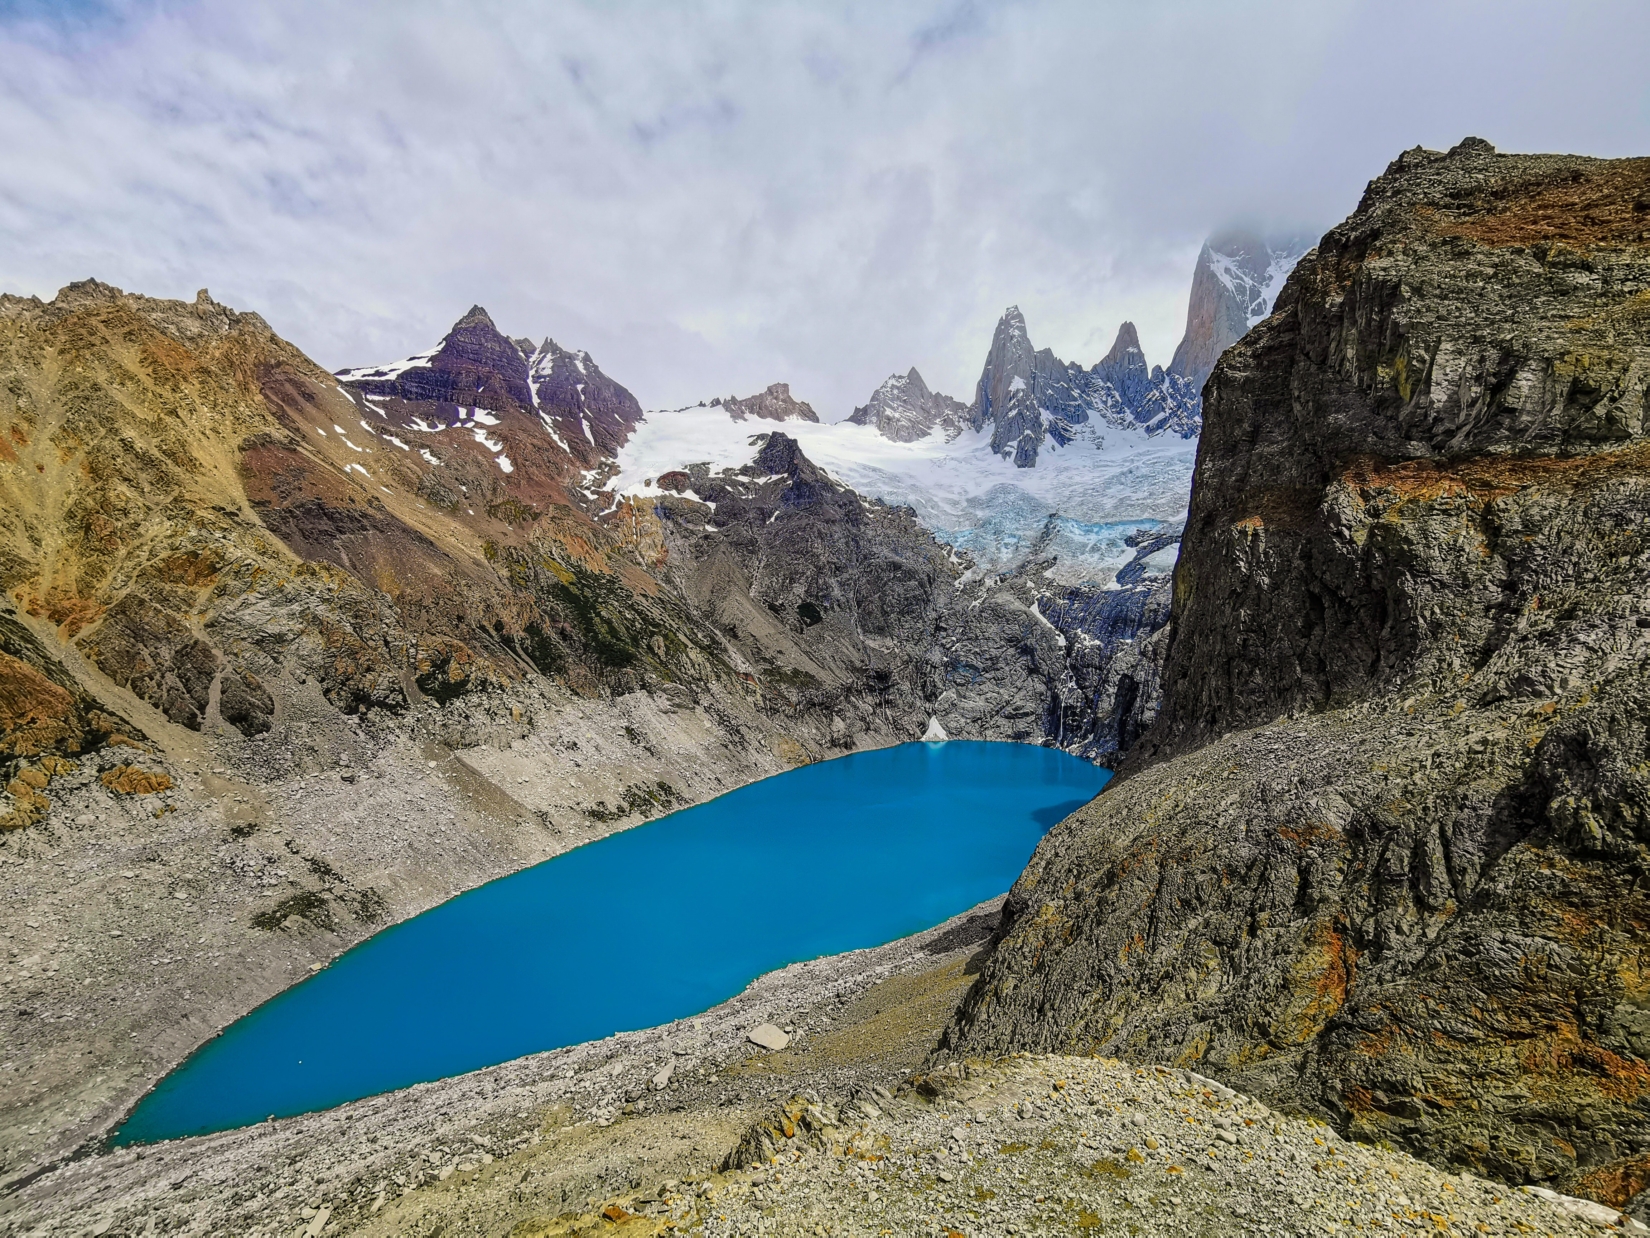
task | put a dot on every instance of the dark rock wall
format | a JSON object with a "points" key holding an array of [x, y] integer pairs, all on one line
{"points": [[1383, 856]]}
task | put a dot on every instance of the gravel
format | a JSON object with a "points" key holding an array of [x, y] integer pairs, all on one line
{"points": [[1052, 1145]]}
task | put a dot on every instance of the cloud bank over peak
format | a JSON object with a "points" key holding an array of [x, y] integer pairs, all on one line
{"points": [[714, 197]]}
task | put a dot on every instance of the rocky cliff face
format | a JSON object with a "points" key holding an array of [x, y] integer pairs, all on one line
{"points": [[1027, 396], [1237, 278], [904, 409], [1382, 858], [856, 613]]}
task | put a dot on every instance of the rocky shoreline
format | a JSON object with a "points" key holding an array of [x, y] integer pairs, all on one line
{"points": [[139, 925], [260, 1179]]}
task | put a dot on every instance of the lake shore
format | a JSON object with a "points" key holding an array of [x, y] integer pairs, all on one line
{"points": [[402, 1148], [140, 925], [691, 1128]]}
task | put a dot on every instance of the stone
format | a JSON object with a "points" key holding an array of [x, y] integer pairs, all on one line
{"points": [[661, 1080], [767, 1036]]}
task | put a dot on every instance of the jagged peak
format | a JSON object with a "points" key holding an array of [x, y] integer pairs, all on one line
{"points": [[1127, 341], [88, 292], [1471, 146], [773, 404], [475, 317]]}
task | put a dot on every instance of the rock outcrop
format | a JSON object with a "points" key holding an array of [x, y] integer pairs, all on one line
{"points": [[850, 609], [905, 410], [1382, 857], [775, 404]]}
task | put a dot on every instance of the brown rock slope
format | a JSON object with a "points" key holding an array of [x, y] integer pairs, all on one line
{"points": [[1384, 856]]}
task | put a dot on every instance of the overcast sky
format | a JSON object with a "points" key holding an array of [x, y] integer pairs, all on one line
{"points": [[713, 197]]}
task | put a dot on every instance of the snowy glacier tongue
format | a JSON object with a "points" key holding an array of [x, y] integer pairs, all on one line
{"points": [[1078, 503]]}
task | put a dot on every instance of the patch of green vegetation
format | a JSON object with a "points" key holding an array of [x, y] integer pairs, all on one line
{"points": [[370, 906], [513, 511], [439, 686], [595, 605], [639, 798], [306, 905], [543, 650], [1107, 1167], [789, 676]]}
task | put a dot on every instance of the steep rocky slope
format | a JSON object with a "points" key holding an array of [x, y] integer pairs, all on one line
{"points": [[1382, 857]]}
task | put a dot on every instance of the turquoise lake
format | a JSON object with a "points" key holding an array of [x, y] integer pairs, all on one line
{"points": [[645, 926]]}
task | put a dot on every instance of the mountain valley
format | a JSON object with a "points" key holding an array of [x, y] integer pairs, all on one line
{"points": [[289, 656]]}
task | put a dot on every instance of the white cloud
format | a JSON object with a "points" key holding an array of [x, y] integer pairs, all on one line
{"points": [[713, 197]]}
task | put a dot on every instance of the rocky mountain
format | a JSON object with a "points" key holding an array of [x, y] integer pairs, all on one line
{"points": [[1381, 858], [1027, 396], [1237, 278], [475, 367], [905, 410], [774, 404]]}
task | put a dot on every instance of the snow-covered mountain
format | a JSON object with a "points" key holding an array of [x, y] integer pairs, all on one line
{"points": [[904, 409], [1099, 488], [1027, 396], [1051, 460], [476, 366], [1236, 281]]}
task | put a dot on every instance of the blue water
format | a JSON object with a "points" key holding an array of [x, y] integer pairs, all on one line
{"points": [[645, 926]]}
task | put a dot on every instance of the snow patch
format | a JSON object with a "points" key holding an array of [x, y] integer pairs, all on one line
{"points": [[394, 369], [1161, 562]]}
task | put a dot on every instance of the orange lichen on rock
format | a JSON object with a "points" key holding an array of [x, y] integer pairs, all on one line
{"points": [[130, 780], [1615, 1183], [1309, 832], [35, 713], [28, 805], [1582, 206], [1491, 476]]}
